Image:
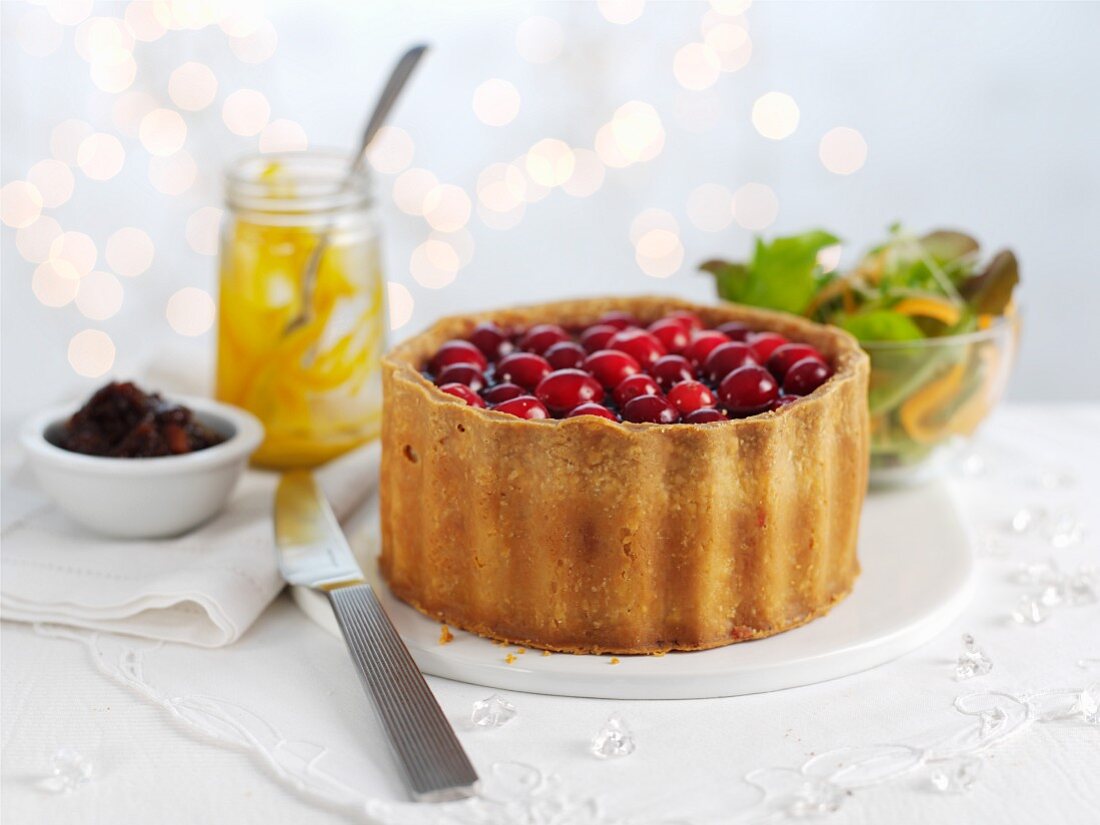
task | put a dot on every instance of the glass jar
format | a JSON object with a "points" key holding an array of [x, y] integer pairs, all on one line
{"points": [[301, 354]]}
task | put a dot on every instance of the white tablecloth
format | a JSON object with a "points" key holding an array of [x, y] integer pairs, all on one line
{"points": [[275, 728]]}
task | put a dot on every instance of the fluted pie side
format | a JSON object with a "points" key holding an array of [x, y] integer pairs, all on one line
{"points": [[590, 536]]}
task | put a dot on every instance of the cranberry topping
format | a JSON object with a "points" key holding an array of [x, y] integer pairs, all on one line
{"points": [[618, 320], [704, 343], [735, 330], [462, 391], [596, 337], [690, 396], [725, 358], [747, 391], [565, 389], [491, 340], [523, 406], [805, 376], [502, 392], [635, 386], [466, 374], [641, 345], [688, 319], [670, 370], [458, 352], [672, 333], [706, 415], [764, 344], [565, 355], [591, 408], [785, 356], [650, 409], [610, 367], [782, 401], [541, 337], [523, 368]]}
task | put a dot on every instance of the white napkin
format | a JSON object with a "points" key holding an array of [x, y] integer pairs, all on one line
{"points": [[204, 588]]}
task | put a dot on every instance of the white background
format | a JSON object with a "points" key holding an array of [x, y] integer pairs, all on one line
{"points": [[976, 115]]}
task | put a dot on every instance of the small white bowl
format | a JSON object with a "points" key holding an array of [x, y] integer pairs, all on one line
{"points": [[143, 497]]}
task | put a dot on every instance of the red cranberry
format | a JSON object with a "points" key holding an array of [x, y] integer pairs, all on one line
{"points": [[565, 355], [688, 319], [672, 334], [539, 338], [805, 376], [610, 366], [704, 342], [735, 330], [785, 356], [782, 401], [726, 358], [466, 374], [635, 386], [564, 389], [502, 392], [596, 337], [641, 345], [465, 393], [523, 368], [491, 340], [764, 344], [670, 370], [592, 409], [523, 406], [619, 320], [650, 409], [456, 351], [704, 415], [691, 396], [747, 391]]}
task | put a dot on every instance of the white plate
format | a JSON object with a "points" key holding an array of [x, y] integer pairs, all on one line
{"points": [[916, 579]]}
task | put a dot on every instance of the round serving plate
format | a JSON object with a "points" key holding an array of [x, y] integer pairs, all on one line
{"points": [[917, 577]]}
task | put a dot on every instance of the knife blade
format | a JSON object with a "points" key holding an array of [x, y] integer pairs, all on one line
{"points": [[313, 552]]}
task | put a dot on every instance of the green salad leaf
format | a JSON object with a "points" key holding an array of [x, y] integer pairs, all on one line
{"points": [[880, 325]]}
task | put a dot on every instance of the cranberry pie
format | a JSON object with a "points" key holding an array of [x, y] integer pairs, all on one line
{"points": [[624, 475]]}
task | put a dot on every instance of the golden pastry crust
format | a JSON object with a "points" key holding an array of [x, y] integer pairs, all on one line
{"points": [[584, 535]]}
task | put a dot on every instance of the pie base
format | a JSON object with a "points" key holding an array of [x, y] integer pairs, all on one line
{"points": [[585, 535]]}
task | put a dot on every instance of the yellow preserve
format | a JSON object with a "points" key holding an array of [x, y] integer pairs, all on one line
{"points": [[301, 353]]}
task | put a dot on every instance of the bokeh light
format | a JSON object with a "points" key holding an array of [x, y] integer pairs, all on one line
{"points": [[652, 219], [52, 284], [190, 311], [128, 110], [129, 251], [34, 241], [550, 162], [20, 204], [755, 206], [411, 188], [114, 77], [246, 112], [91, 353], [461, 241], [162, 132], [240, 18], [730, 7], [69, 12], [447, 207], [104, 40], [202, 230], [143, 21], [843, 150], [501, 187], [400, 301], [496, 102], [99, 295], [257, 46], [283, 135], [501, 220], [39, 35], [539, 39], [75, 249], [775, 115], [588, 174], [659, 253], [635, 134], [193, 86], [696, 66], [66, 137], [434, 264], [829, 257], [710, 207], [53, 180], [391, 151], [730, 43], [533, 191], [173, 175], [100, 156], [621, 12]]}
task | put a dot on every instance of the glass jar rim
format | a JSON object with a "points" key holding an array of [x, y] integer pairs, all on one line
{"points": [[316, 180]]}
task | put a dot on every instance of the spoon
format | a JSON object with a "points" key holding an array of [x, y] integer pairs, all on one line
{"points": [[392, 90]]}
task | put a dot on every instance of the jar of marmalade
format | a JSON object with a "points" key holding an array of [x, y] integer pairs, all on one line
{"points": [[299, 341]]}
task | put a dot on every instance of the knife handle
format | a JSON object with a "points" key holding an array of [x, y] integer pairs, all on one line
{"points": [[435, 767]]}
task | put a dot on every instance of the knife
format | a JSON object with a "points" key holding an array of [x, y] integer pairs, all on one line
{"points": [[313, 553]]}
